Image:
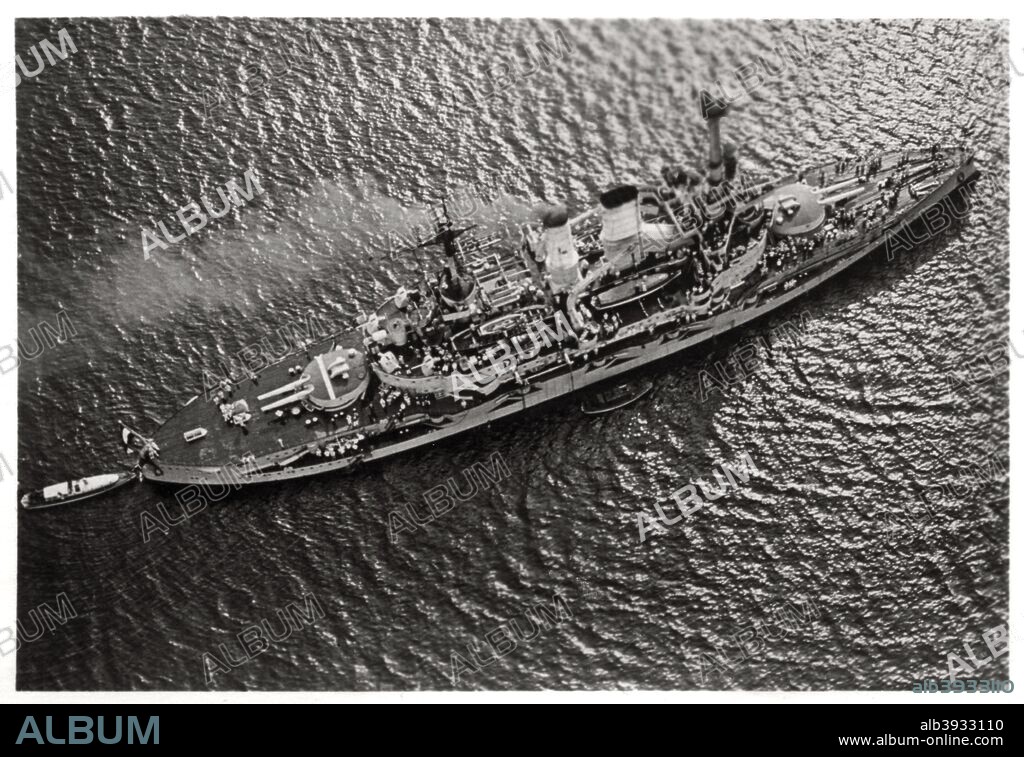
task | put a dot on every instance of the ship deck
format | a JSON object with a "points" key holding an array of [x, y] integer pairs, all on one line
{"points": [[265, 433]]}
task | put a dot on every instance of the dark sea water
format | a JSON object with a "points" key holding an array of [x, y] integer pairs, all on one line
{"points": [[845, 426]]}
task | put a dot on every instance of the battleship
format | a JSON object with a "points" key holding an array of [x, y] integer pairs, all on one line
{"points": [[648, 272]]}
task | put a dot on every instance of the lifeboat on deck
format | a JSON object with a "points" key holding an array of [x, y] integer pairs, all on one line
{"points": [[632, 289]]}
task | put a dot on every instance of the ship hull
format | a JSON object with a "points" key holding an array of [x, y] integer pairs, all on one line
{"points": [[616, 363]]}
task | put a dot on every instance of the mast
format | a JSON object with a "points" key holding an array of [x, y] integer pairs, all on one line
{"points": [[713, 110], [459, 282], [459, 285]]}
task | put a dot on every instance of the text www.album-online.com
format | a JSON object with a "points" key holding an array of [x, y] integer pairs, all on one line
{"points": [[937, 739], [945, 739]]}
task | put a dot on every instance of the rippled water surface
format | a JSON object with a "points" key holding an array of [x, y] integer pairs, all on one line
{"points": [[383, 117]]}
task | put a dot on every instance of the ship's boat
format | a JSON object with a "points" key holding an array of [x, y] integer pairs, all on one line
{"points": [[617, 397], [75, 490], [632, 289]]}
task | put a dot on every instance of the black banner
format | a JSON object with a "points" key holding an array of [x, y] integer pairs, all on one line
{"points": [[817, 727]]}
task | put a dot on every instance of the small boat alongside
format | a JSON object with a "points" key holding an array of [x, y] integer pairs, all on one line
{"points": [[614, 398], [75, 490]]}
